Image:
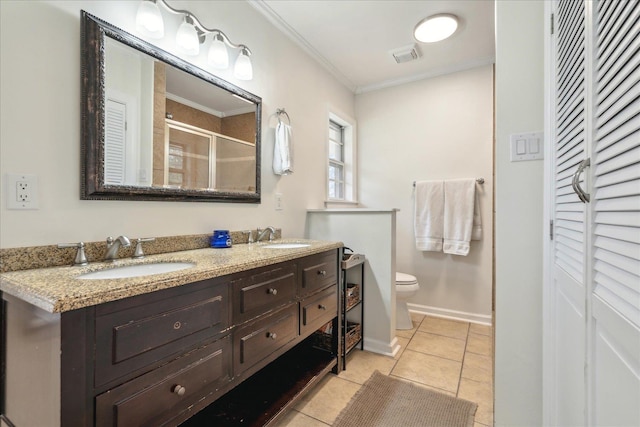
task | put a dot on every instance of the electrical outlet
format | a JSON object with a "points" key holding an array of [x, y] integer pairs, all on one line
{"points": [[22, 191], [278, 200]]}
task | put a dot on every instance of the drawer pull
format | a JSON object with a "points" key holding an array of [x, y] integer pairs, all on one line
{"points": [[177, 325], [179, 390], [322, 307], [322, 272], [272, 335], [272, 291]]}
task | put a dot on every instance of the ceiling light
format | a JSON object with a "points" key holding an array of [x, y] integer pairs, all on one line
{"points": [[436, 28], [191, 34]]}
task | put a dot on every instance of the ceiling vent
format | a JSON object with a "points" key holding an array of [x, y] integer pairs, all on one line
{"points": [[405, 53]]}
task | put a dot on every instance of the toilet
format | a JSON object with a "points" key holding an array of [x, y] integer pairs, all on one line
{"points": [[406, 287]]}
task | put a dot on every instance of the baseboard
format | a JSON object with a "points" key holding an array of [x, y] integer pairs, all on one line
{"points": [[481, 319], [387, 349]]}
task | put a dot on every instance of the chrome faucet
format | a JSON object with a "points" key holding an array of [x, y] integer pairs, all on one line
{"points": [[113, 245], [270, 230]]}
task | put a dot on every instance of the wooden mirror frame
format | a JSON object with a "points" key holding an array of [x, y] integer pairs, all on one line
{"points": [[93, 187]]}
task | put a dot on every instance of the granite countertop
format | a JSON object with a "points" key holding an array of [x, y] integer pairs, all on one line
{"points": [[57, 289]]}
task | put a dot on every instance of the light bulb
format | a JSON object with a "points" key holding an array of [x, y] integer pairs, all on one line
{"points": [[149, 20], [218, 55], [187, 38], [435, 28], [243, 69]]}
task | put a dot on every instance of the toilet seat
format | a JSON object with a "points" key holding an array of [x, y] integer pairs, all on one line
{"points": [[405, 279]]}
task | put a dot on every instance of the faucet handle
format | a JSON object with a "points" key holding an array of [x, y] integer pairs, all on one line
{"points": [[81, 257], [250, 233], [138, 253]]}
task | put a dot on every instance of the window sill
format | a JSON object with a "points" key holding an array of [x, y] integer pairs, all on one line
{"points": [[328, 203]]}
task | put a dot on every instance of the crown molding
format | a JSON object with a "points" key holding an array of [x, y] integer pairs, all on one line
{"points": [[285, 28], [464, 66]]}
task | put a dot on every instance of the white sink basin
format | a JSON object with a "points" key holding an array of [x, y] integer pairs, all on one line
{"points": [[136, 270], [286, 245]]}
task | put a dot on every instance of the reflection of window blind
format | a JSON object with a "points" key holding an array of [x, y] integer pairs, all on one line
{"points": [[114, 147]]}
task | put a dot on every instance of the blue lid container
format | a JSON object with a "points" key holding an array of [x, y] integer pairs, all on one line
{"points": [[220, 239]]}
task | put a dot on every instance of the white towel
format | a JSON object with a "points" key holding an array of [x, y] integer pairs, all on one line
{"points": [[459, 201], [428, 217], [476, 233], [283, 150]]}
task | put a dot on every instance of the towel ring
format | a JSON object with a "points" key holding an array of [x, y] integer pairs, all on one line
{"points": [[280, 112]]}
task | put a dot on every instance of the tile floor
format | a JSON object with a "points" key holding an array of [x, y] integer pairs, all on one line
{"points": [[445, 355]]}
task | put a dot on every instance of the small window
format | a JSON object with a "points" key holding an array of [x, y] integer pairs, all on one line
{"points": [[336, 161], [341, 161]]}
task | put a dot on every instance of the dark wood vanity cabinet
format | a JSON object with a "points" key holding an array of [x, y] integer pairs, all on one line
{"points": [[159, 358]]}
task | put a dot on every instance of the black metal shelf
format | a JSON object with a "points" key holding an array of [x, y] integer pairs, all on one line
{"points": [[352, 273]]}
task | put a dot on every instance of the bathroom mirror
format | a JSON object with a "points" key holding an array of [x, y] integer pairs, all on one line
{"points": [[155, 127]]}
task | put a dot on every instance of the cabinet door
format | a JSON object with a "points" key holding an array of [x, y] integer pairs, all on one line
{"points": [[162, 394]]}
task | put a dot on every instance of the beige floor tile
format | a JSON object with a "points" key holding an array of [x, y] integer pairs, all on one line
{"points": [[480, 393], [403, 345], [477, 367], [325, 402], [430, 370], [481, 329], [298, 419], [416, 319], [405, 333], [479, 344], [446, 327], [361, 364], [437, 345]]}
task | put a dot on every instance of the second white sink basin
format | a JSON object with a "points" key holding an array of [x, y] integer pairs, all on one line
{"points": [[286, 245], [136, 270]]}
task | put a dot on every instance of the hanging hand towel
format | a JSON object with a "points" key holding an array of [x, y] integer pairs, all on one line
{"points": [[283, 150], [476, 233], [459, 199], [429, 208]]}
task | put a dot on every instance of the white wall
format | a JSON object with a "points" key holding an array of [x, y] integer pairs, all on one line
{"points": [[372, 233], [440, 128], [519, 228], [40, 125]]}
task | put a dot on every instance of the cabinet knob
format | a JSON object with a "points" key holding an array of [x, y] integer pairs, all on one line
{"points": [[272, 335], [179, 390], [322, 272], [322, 307], [272, 291]]}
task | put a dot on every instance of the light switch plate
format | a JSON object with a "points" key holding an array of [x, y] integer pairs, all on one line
{"points": [[527, 146]]}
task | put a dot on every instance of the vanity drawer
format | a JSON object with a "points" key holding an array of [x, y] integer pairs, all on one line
{"points": [[161, 394], [318, 309], [257, 340], [319, 271], [266, 289], [140, 336]]}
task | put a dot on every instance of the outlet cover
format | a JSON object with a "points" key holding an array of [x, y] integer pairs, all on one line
{"points": [[22, 191]]}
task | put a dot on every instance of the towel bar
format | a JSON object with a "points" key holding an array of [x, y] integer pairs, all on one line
{"points": [[280, 111], [478, 180]]}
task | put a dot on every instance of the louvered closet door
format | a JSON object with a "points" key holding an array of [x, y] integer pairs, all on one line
{"points": [[594, 333], [615, 205], [569, 268]]}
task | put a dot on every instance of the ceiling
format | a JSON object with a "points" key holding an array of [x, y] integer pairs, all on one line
{"points": [[353, 38]]}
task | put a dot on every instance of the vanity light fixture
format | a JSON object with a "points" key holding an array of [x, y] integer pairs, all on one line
{"points": [[436, 27], [191, 34]]}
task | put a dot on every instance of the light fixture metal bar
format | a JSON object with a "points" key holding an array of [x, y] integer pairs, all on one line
{"points": [[201, 28]]}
